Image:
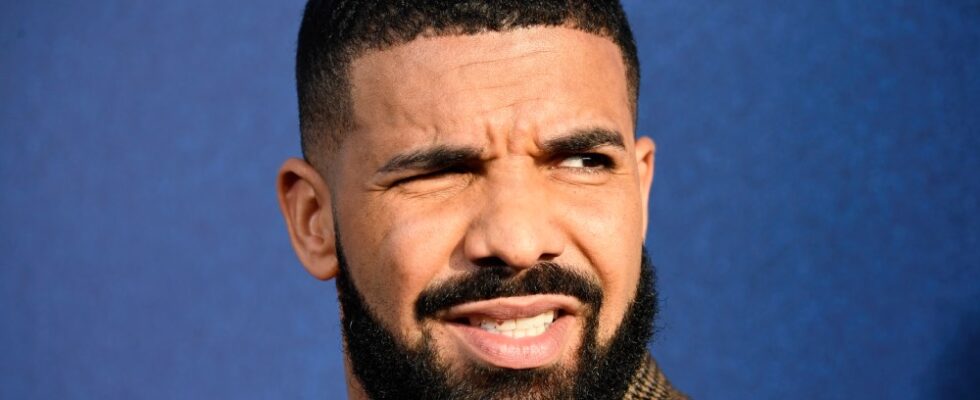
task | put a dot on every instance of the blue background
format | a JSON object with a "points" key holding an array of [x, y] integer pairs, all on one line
{"points": [[814, 212]]}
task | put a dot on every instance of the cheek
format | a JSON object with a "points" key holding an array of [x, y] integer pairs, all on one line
{"points": [[401, 251], [608, 230]]}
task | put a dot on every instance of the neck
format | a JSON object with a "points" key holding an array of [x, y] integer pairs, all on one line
{"points": [[354, 389]]}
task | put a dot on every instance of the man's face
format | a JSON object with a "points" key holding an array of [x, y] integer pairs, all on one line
{"points": [[503, 151]]}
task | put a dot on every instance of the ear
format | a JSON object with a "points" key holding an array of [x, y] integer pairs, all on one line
{"points": [[646, 155], [305, 202]]}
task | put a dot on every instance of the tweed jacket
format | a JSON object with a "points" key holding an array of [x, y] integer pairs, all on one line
{"points": [[649, 383]]}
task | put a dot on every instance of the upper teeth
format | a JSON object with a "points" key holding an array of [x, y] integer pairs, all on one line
{"points": [[516, 328]]}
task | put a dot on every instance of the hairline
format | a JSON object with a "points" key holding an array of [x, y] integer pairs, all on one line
{"points": [[327, 143]]}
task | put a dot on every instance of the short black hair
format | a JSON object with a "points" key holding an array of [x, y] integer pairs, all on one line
{"points": [[335, 32]]}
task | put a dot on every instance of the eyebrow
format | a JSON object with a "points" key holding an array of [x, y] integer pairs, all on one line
{"points": [[444, 156], [582, 140], [432, 158]]}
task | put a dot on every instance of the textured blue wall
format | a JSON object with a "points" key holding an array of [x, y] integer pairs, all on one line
{"points": [[814, 213]]}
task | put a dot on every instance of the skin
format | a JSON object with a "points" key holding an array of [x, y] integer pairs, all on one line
{"points": [[508, 98]]}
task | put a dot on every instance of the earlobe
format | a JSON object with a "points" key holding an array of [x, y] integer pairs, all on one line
{"points": [[304, 199], [646, 154]]}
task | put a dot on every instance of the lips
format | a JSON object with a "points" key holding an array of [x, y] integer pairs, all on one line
{"points": [[515, 332]]}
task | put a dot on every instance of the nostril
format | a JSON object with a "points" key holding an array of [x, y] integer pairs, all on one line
{"points": [[487, 262], [498, 262], [548, 257]]}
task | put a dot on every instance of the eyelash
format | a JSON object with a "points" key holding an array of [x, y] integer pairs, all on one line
{"points": [[438, 172], [605, 163]]}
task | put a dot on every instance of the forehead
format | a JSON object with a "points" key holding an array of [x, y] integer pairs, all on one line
{"points": [[532, 82]]}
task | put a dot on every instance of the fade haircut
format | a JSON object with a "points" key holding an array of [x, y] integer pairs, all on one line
{"points": [[335, 32]]}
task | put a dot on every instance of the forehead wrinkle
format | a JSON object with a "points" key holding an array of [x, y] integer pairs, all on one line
{"points": [[523, 67], [490, 62], [521, 80]]}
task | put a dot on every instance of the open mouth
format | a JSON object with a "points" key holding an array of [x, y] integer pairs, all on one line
{"points": [[517, 333], [516, 328]]}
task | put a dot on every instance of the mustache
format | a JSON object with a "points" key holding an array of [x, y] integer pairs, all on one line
{"points": [[495, 281]]}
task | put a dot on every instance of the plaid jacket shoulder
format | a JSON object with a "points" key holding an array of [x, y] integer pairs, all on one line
{"points": [[649, 383]]}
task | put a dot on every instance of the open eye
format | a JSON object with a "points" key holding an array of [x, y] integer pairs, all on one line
{"points": [[588, 161]]}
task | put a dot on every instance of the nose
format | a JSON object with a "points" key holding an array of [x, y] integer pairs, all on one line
{"points": [[515, 225]]}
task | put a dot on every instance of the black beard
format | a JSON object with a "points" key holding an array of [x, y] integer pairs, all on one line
{"points": [[389, 369]]}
